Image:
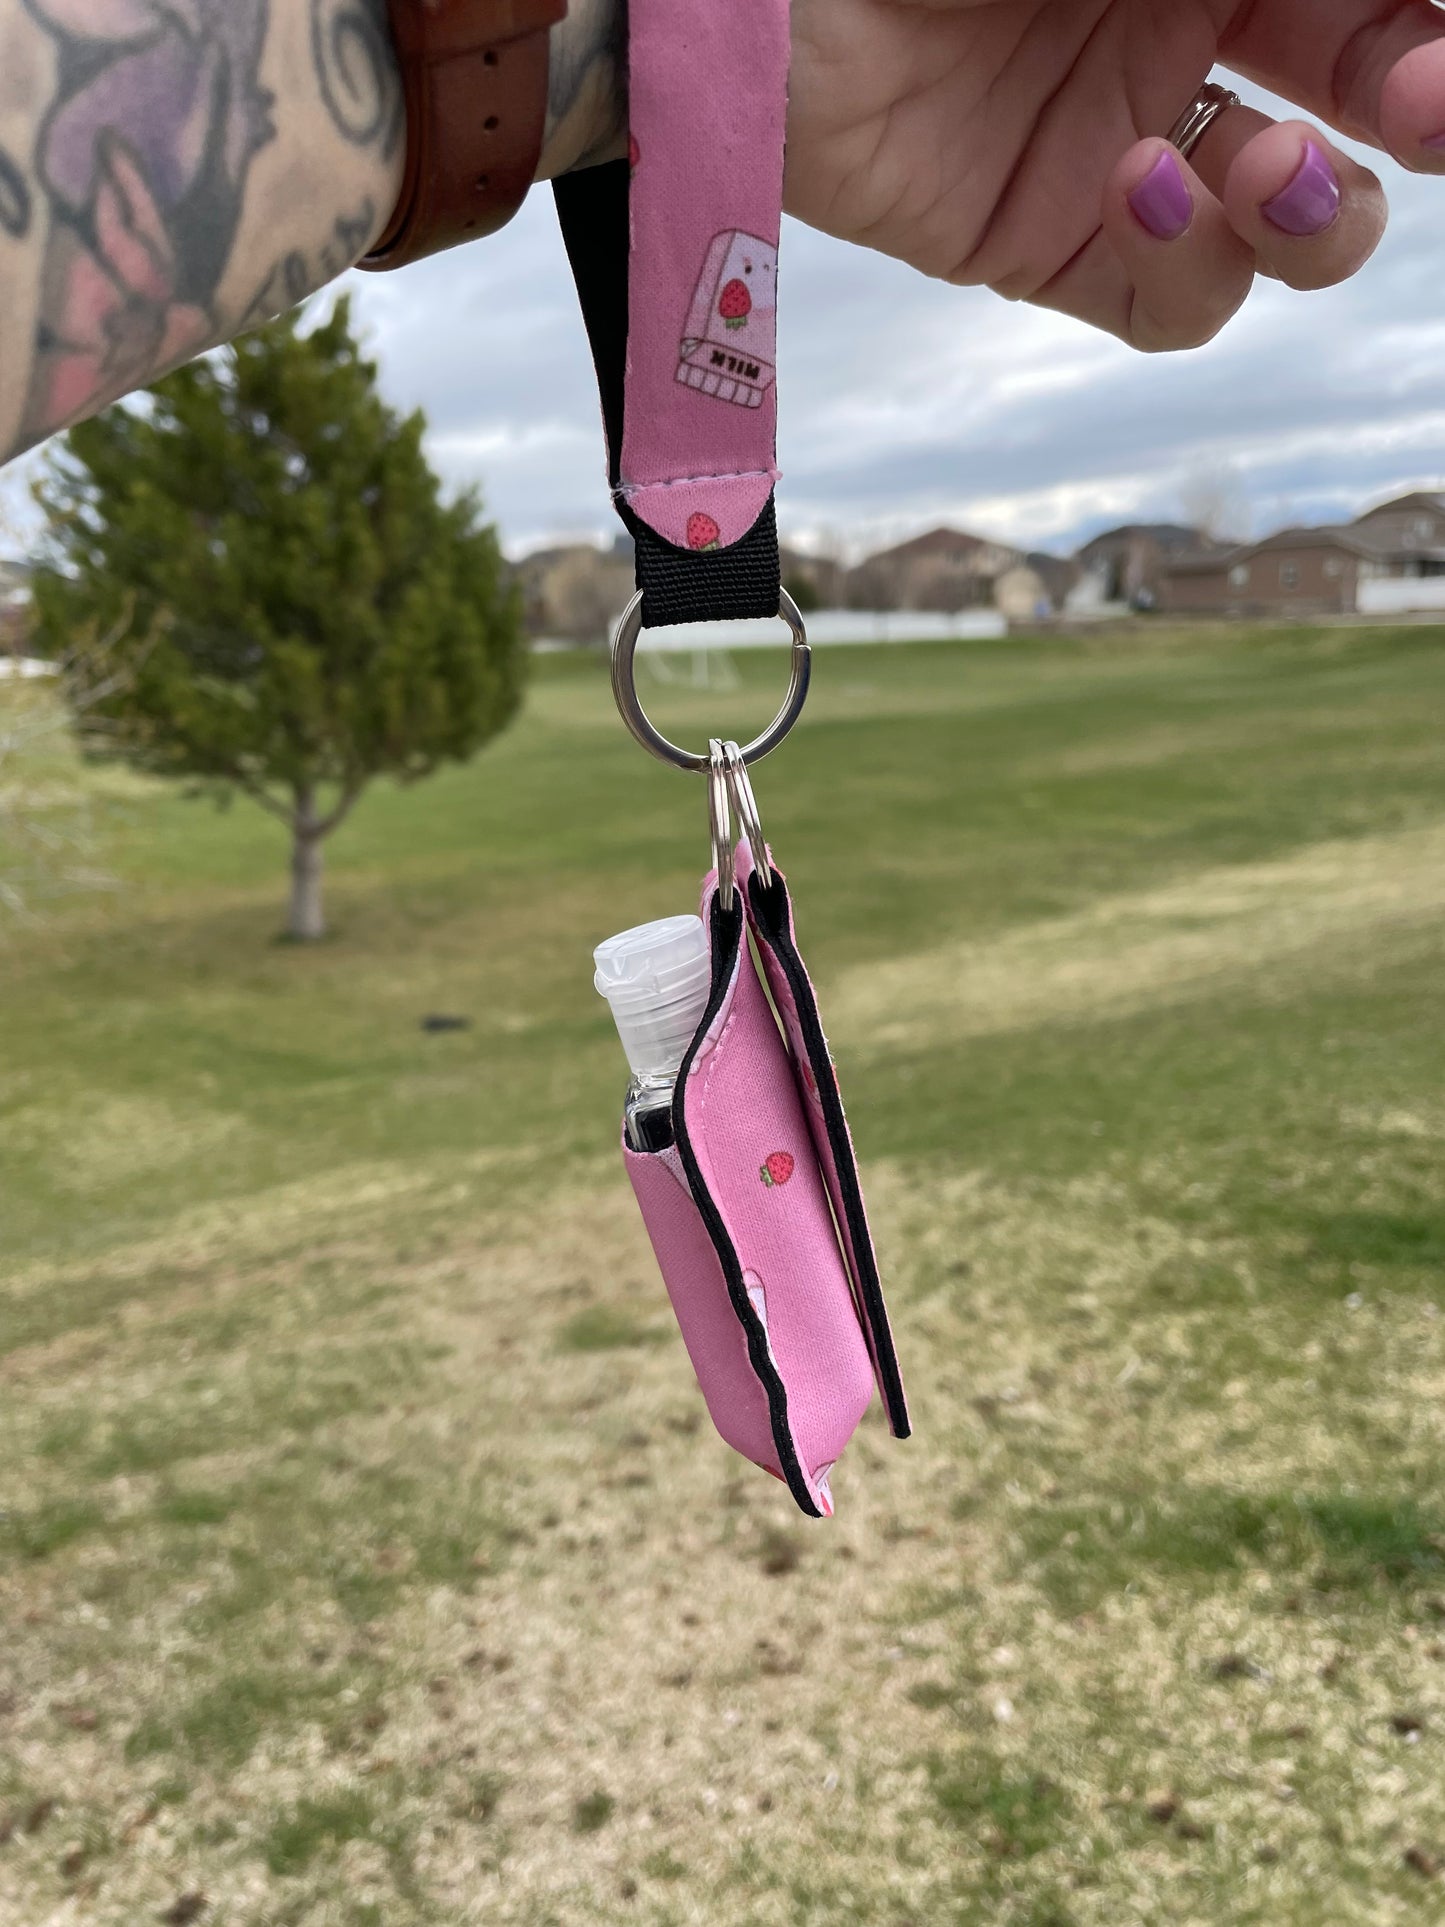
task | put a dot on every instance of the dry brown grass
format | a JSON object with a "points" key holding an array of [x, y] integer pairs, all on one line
{"points": [[890, 1718]]}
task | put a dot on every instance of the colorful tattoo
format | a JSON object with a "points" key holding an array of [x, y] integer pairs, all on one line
{"points": [[143, 159]]}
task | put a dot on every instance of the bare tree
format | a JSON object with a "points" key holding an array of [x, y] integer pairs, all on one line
{"points": [[1212, 499]]}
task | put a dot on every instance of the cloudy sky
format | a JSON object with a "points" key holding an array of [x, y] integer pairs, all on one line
{"points": [[905, 403]]}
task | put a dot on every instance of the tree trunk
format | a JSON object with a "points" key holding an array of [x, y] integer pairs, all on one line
{"points": [[306, 921]]}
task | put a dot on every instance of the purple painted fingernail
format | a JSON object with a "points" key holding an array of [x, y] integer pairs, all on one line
{"points": [[1437, 141], [1161, 203], [1310, 200]]}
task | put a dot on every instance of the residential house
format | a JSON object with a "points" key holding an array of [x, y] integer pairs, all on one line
{"points": [[945, 570], [816, 580], [1413, 523], [1295, 572], [575, 591], [1377, 564], [1036, 587], [1057, 575], [1125, 567]]}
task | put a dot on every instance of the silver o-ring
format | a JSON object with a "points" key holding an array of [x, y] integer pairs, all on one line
{"points": [[624, 689]]}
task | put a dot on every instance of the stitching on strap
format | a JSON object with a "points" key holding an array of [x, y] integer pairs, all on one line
{"points": [[624, 490]]}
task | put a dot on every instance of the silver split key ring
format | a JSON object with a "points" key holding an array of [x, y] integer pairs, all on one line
{"points": [[624, 689], [745, 809], [719, 814]]}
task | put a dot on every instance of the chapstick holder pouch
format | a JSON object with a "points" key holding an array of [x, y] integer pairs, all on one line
{"points": [[756, 1214]]}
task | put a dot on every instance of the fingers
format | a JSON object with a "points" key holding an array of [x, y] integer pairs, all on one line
{"points": [[1187, 268], [1181, 241], [1410, 105], [1259, 197], [1375, 72], [1312, 215]]}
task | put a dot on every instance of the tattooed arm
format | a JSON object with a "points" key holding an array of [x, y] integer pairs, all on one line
{"points": [[586, 88], [173, 171]]}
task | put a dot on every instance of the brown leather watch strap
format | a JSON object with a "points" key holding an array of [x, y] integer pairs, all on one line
{"points": [[474, 74]]}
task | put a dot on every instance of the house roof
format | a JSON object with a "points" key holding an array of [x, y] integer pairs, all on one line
{"points": [[1322, 538], [940, 542], [1346, 538], [1058, 572], [1326, 536], [1420, 498], [556, 552], [1168, 535]]}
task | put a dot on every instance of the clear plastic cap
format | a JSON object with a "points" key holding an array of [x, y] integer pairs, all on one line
{"points": [[656, 979]]}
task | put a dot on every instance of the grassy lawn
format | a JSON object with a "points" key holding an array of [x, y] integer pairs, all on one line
{"points": [[365, 1557]]}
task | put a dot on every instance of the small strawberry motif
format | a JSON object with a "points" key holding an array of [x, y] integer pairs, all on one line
{"points": [[777, 1169], [702, 531], [735, 304]]}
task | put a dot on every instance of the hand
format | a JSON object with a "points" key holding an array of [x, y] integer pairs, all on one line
{"points": [[1000, 142]]}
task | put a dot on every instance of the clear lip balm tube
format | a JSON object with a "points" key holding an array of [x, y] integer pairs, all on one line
{"points": [[656, 980]]}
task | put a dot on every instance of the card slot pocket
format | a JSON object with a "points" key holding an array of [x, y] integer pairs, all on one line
{"points": [[770, 919], [745, 1230]]}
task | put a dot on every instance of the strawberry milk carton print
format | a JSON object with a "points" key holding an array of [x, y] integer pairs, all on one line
{"points": [[730, 346]]}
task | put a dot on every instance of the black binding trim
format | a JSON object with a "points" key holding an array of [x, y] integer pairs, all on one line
{"points": [[592, 208], [773, 912], [744, 580], [727, 940]]}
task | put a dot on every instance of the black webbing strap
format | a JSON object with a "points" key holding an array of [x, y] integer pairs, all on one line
{"points": [[743, 580]]}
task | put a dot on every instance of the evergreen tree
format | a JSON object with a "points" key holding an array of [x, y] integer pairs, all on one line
{"points": [[301, 609]]}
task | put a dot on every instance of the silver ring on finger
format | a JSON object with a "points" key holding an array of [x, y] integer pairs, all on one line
{"points": [[1200, 115]]}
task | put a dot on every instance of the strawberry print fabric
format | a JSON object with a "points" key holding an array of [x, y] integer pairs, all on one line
{"points": [[708, 117], [740, 1219], [770, 919]]}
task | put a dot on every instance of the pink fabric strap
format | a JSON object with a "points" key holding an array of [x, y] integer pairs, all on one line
{"points": [[709, 87], [675, 254]]}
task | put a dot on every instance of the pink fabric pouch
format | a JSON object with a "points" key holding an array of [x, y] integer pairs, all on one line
{"points": [[756, 1214]]}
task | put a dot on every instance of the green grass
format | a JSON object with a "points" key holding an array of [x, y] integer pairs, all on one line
{"points": [[1334, 1542], [606, 1328], [315, 1826], [592, 1812], [1023, 1813], [358, 1525]]}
